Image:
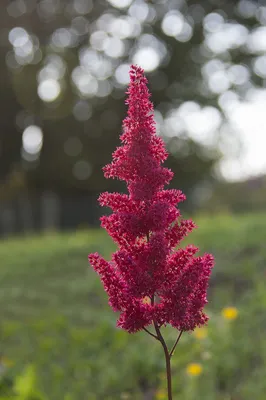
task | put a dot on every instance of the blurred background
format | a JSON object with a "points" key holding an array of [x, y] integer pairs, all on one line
{"points": [[64, 71], [63, 75]]}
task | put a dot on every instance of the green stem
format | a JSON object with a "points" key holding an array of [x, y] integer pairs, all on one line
{"points": [[174, 346]]}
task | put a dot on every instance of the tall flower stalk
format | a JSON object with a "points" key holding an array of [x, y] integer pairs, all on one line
{"points": [[148, 281]]}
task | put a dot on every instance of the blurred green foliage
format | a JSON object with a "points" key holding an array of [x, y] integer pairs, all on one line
{"points": [[59, 333], [238, 197]]}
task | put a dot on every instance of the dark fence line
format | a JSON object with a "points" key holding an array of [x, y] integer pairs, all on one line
{"points": [[48, 211]]}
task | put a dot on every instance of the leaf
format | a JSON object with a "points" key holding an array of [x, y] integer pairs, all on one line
{"points": [[25, 383]]}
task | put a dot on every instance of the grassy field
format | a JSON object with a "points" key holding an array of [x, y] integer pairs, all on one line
{"points": [[56, 323]]}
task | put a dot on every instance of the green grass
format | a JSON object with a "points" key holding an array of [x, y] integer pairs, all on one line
{"points": [[54, 314]]}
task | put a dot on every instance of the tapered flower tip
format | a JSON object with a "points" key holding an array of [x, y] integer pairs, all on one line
{"points": [[136, 74]]}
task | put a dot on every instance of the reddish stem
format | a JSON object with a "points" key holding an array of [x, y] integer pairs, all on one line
{"points": [[150, 333], [166, 354], [167, 361]]}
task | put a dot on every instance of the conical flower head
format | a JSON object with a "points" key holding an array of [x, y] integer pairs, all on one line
{"points": [[147, 225], [138, 162]]}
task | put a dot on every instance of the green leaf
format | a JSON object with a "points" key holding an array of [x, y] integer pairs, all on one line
{"points": [[25, 383]]}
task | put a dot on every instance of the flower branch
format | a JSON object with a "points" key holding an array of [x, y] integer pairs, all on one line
{"points": [[147, 266]]}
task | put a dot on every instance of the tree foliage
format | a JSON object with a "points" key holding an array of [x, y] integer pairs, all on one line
{"points": [[198, 53]]}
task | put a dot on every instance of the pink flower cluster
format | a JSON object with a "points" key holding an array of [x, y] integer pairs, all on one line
{"points": [[148, 280]]}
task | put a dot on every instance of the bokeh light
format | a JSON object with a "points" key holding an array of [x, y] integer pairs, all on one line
{"points": [[173, 23], [82, 170], [32, 139], [147, 57], [122, 74], [82, 110], [49, 90], [120, 3]]}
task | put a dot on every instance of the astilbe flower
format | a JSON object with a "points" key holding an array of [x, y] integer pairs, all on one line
{"points": [[147, 226]]}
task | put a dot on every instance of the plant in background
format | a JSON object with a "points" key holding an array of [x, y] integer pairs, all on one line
{"points": [[148, 281], [23, 387]]}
